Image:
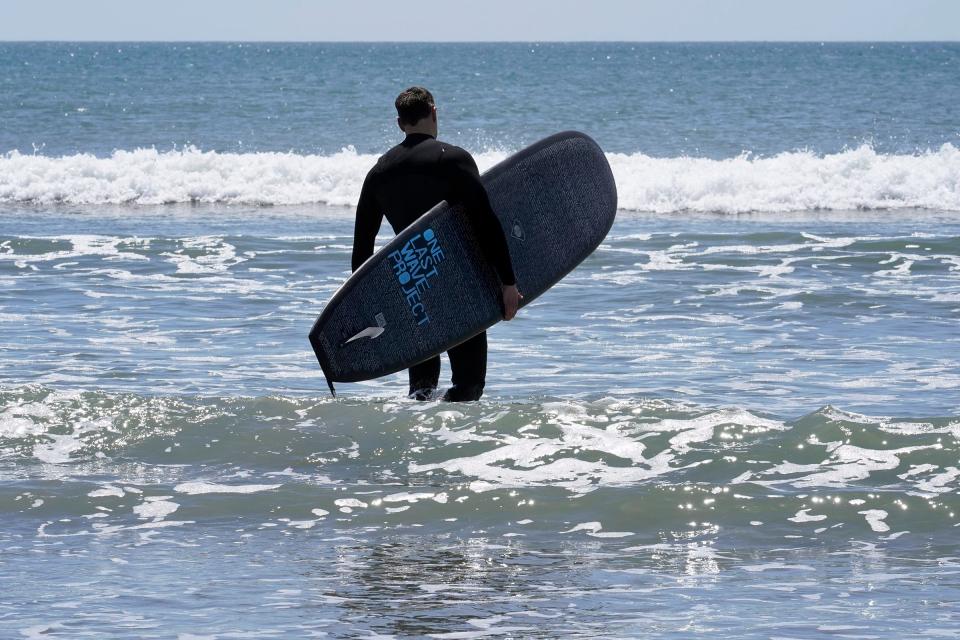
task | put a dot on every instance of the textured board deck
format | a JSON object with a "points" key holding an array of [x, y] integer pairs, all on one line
{"points": [[430, 288]]}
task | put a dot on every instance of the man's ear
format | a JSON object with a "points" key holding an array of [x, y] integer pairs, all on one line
{"points": [[400, 124], [433, 112]]}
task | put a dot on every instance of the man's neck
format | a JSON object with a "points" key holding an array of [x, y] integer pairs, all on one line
{"points": [[415, 131]]}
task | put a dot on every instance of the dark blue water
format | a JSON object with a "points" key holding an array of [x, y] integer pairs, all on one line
{"points": [[709, 100]]}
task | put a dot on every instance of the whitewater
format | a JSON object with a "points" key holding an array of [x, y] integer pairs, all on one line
{"points": [[853, 179]]}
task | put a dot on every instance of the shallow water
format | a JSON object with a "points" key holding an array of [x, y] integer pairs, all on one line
{"points": [[610, 518], [780, 315], [711, 422]]}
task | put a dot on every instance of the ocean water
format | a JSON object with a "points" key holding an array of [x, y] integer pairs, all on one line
{"points": [[738, 419]]}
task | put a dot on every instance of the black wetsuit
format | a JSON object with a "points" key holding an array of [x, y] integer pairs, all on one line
{"points": [[406, 182]]}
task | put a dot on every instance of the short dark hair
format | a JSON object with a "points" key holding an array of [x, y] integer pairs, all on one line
{"points": [[413, 104]]}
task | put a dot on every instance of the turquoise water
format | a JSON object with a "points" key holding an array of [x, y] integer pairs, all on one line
{"points": [[737, 419]]}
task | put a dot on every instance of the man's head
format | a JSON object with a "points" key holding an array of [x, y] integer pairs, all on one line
{"points": [[416, 112]]}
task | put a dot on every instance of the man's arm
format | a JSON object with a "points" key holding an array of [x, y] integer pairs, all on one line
{"points": [[369, 217]]}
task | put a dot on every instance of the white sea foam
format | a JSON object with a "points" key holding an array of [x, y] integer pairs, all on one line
{"points": [[592, 527], [17, 421], [148, 176], [875, 518], [197, 488], [108, 490], [799, 181], [156, 509], [531, 458], [804, 515], [853, 179]]}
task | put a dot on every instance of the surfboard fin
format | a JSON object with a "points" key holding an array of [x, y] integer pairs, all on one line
{"points": [[333, 391]]}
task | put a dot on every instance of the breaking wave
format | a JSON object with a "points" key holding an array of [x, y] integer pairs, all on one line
{"points": [[852, 179], [618, 466]]}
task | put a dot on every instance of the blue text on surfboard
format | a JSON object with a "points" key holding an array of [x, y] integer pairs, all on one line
{"points": [[414, 265]]}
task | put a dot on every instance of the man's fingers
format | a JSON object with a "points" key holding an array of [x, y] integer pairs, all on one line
{"points": [[511, 302]]}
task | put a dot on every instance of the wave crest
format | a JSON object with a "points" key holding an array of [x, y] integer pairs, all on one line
{"points": [[853, 179], [798, 181]]}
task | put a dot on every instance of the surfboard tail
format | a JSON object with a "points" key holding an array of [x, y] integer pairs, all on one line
{"points": [[321, 357]]}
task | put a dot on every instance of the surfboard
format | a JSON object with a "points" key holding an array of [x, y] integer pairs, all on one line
{"points": [[430, 288]]}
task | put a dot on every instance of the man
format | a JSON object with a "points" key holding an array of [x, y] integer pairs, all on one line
{"points": [[407, 181]]}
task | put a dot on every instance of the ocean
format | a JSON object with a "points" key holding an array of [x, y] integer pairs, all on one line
{"points": [[738, 418]]}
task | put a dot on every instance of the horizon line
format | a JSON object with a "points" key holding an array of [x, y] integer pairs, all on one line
{"points": [[525, 42]]}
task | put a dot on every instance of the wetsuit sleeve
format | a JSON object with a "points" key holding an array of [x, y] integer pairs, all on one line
{"points": [[469, 191], [369, 217]]}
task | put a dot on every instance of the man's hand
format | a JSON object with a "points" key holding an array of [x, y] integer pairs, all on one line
{"points": [[511, 300]]}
